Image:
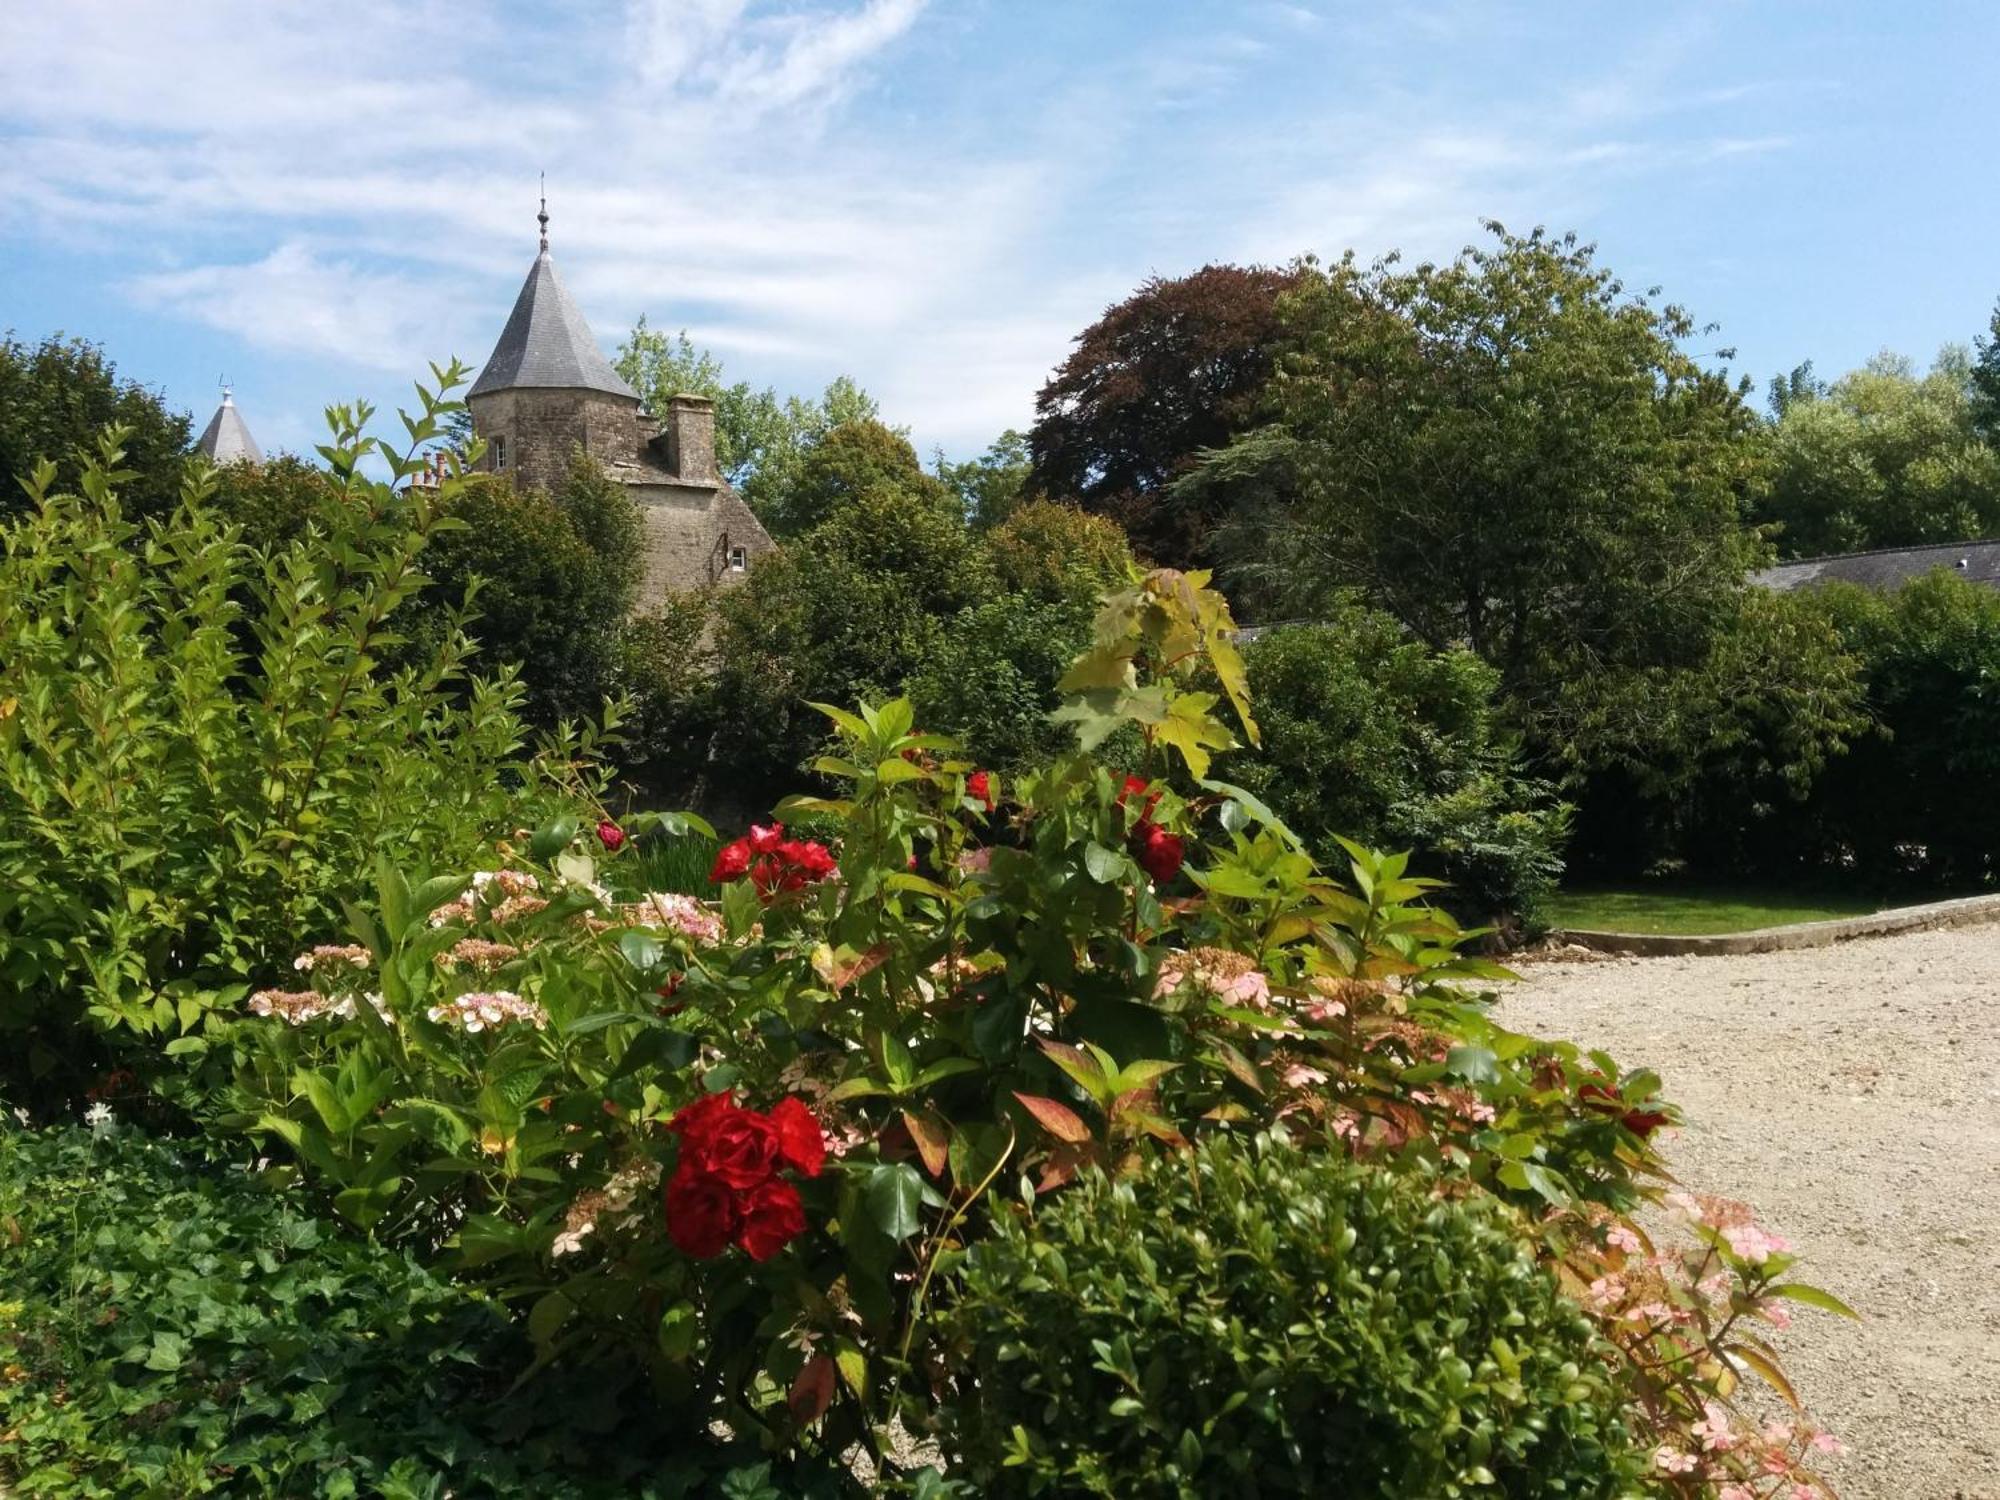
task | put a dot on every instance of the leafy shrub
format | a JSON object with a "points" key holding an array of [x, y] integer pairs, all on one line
{"points": [[990, 679], [980, 980], [1256, 1320], [201, 755], [174, 1329], [1370, 735]]}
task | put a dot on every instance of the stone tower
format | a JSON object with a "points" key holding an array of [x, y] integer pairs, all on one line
{"points": [[547, 391]]}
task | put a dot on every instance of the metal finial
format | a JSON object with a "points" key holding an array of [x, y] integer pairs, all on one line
{"points": [[227, 389], [542, 218]]}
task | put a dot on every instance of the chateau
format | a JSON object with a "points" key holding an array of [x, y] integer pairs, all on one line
{"points": [[547, 391]]}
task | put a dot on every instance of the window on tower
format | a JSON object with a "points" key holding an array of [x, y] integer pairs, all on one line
{"points": [[739, 559], [499, 447]]}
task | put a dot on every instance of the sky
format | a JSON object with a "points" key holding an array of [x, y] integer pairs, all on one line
{"points": [[936, 196]]}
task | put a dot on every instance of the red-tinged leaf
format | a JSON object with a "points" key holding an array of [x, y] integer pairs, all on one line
{"points": [[933, 1144], [1058, 1119], [1060, 1165], [812, 1391], [1240, 1067], [846, 970], [1768, 1369]]}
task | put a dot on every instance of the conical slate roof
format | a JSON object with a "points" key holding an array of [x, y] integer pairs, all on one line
{"points": [[546, 344], [226, 440]]}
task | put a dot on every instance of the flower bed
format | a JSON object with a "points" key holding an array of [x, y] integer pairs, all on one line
{"points": [[746, 1146]]}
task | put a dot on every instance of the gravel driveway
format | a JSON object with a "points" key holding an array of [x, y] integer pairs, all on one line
{"points": [[1852, 1094]]}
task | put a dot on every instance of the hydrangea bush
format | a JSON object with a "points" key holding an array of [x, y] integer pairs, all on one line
{"points": [[743, 1143]]}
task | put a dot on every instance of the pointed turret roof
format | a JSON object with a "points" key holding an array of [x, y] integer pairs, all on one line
{"points": [[546, 344], [226, 440]]}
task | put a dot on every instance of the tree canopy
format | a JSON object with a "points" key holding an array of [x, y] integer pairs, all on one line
{"points": [[1506, 451], [1172, 370], [57, 396], [1883, 457]]}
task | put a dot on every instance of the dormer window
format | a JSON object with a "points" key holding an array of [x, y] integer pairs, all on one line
{"points": [[739, 559]]}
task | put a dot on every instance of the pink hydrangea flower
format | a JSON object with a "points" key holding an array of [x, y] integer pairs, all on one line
{"points": [[482, 1010], [1673, 1461], [676, 913], [1621, 1238]]}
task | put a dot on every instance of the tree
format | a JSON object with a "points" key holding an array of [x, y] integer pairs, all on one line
{"points": [[553, 579], [1369, 735], [846, 611], [1986, 383], [1058, 554], [1174, 369], [1883, 458], [1506, 452], [853, 459], [991, 486], [275, 501], [761, 438], [57, 396]]}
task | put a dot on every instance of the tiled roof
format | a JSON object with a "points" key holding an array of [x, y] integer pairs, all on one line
{"points": [[226, 440], [1888, 568], [546, 344]]}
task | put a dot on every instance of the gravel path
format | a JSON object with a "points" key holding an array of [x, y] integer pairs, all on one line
{"points": [[1852, 1094]]}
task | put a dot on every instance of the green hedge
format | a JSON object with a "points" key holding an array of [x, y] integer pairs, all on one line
{"points": [[1251, 1320], [171, 1328]]}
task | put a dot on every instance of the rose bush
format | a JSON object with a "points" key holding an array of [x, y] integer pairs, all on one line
{"points": [[739, 1142]]}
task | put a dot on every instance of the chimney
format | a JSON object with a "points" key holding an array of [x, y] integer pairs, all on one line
{"points": [[690, 435]]}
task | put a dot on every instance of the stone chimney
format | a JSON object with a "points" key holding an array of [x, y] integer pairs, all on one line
{"points": [[690, 436]]}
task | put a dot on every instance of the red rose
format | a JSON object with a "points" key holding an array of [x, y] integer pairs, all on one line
{"points": [[771, 1218], [695, 1121], [738, 1147], [979, 787], [731, 862], [702, 1215], [1159, 853], [610, 835], [1135, 786], [765, 840], [801, 1142]]}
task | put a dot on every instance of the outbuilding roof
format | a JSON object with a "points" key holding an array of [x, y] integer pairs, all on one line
{"points": [[1889, 567]]}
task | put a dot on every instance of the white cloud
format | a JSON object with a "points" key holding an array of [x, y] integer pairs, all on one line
{"points": [[357, 183], [294, 301]]}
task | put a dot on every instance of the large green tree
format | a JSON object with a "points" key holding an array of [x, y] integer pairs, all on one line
{"points": [[57, 396], [553, 579], [761, 438], [1505, 451], [1172, 370], [1883, 457]]}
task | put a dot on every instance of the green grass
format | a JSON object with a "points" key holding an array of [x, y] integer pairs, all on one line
{"points": [[1689, 909], [674, 864]]}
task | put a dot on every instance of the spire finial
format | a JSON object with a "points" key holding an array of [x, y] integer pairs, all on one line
{"points": [[542, 218]]}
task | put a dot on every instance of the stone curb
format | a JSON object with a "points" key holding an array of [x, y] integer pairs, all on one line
{"points": [[1967, 911]]}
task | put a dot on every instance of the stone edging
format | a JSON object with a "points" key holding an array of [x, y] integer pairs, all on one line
{"points": [[1967, 911]]}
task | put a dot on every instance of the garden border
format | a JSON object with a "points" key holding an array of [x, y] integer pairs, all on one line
{"points": [[1965, 911]]}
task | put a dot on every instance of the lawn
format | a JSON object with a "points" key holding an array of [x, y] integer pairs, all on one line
{"points": [[1699, 909]]}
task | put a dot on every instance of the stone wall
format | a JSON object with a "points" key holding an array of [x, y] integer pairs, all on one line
{"points": [[540, 429]]}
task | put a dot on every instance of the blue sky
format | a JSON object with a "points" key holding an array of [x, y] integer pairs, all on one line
{"points": [[936, 195]]}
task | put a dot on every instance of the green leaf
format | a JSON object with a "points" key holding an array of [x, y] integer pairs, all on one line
{"points": [[1057, 1118], [1813, 1296], [1473, 1064], [1105, 866], [894, 1196], [553, 837], [546, 1318]]}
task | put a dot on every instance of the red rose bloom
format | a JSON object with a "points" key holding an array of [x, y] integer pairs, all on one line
{"points": [[979, 787], [731, 862], [737, 1147], [1159, 853], [765, 840], [610, 835], [702, 1216], [1135, 786], [801, 1142], [772, 1217]]}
